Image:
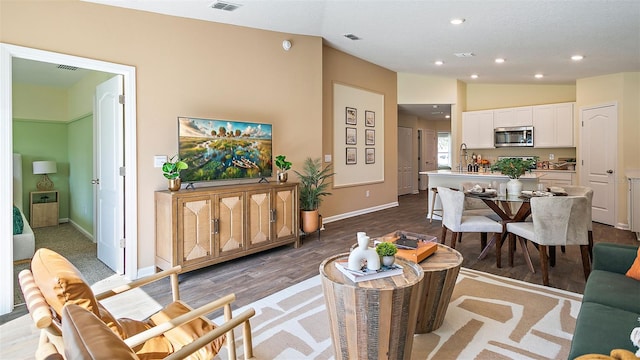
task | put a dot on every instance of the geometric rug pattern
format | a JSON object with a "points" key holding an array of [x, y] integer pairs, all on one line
{"points": [[489, 317]]}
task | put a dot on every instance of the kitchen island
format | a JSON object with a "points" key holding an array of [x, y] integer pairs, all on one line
{"points": [[454, 179]]}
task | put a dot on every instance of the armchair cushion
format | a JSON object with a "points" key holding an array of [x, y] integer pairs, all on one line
{"points": [[81, 325]]}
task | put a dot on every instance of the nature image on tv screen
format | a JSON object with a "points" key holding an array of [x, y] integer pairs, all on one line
{"points": [[224, 149]]}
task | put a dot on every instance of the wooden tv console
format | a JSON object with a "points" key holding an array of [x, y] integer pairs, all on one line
{"points": [[201, 227]]}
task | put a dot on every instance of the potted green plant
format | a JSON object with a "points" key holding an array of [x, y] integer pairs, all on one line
{"points": [[171, 170], [514, 168], [283, 165], [387, 252], [313, 187]]}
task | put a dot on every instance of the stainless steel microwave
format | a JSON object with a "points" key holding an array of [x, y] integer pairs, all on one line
{"points": [[513, 136]]}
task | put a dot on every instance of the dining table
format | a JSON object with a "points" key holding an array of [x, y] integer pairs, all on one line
{"points": [[501, 205]]}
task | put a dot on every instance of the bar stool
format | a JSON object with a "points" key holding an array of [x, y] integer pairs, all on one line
{"points": [[433, 205]]}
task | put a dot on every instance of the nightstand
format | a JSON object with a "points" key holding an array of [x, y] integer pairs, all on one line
{"points": [[43, 208]]}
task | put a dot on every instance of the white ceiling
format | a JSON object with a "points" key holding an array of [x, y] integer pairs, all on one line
{"points": [[534, 36]]}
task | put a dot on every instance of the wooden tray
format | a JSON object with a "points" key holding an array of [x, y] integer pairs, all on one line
{"points": [[426, 246]]}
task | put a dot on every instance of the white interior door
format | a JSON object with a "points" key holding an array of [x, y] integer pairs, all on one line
{"points": [[599, 153], [405, 161], [428, 155], [109, 184]]}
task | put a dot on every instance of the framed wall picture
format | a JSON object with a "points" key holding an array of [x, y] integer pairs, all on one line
{"points": [[351, 136], [369, 118], [369, 155], [369, 137], [351, 116], [352, 156]]}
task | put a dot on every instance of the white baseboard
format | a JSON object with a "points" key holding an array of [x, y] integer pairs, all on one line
{"points": [[146, 271], [79, 228], [326, 220]]}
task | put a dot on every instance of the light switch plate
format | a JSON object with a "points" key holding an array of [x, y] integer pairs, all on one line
{"points": [[159, 160], [327, 158]]}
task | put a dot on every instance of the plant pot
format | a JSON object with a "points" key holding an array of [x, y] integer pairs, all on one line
{"points": [[514, 187], [310, 221], [282, 177], [388, 260], [174, 184]]}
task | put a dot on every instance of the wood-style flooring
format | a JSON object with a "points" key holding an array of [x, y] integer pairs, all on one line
{"points": [[259, 275]]}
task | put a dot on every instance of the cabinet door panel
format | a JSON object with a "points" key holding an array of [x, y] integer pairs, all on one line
{"points": [[194, 229], [544, 126], [230, 216], [285, 214], [259, 217]]}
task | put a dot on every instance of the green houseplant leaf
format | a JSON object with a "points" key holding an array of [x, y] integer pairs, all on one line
{"points": [[171, 169], [313, 185], [282, 163], [386, 249], [513, 167]]}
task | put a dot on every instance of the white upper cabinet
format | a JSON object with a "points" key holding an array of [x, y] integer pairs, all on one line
{"points": [[510, 117], [553, 125], [477, 129]]}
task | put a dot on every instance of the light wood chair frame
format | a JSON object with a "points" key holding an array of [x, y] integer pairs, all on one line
{"points": [[51, 331]]}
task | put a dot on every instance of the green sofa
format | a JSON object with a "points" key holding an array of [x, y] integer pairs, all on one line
{"points": [[610, 307]]}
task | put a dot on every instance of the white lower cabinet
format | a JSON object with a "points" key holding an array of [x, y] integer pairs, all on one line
{"points": [[557, 177]]}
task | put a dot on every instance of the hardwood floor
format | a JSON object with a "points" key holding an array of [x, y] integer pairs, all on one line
{"points": [[254, 277]]}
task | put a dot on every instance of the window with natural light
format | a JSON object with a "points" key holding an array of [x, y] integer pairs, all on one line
{"points": [[444, 150]]}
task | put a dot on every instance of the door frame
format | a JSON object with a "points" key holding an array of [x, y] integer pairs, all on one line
{"points": [[7, 53]]}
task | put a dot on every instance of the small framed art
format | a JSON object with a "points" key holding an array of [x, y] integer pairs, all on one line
{"points": [[351, 117], [369, 137], [369, 118], [369, 155], [351, 136], [352, 156]]}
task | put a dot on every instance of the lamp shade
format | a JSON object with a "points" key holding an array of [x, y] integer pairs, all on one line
{"points": [[44, 167]]}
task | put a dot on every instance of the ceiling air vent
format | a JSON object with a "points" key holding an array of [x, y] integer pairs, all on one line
{"points": [[465, 54], [351, 37], [226, 6], [68, 67]]}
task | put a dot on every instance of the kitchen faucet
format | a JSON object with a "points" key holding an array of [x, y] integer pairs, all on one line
{"points": [[463, 154]]}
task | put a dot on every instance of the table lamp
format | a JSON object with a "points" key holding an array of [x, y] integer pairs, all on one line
{"points": [[44, 168]]}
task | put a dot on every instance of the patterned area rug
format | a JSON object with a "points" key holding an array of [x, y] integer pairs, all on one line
{"points": [[489, 317]]}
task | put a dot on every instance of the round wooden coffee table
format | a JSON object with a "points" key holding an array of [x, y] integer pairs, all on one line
{"points": [[372, 319], [440, 273]]}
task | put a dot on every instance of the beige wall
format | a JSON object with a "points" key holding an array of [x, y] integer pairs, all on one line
{"points": [[624, 89], [495, 96], [40, 103], [185, 67], [339, 67]]}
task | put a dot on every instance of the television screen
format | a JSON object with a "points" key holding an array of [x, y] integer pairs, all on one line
{"points": [[224, 149]]}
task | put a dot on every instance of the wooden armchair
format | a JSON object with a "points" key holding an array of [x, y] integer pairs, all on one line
{"points": [[54, 282]]}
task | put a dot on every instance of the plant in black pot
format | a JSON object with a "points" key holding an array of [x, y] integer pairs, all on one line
{"points": [[313, 187]]}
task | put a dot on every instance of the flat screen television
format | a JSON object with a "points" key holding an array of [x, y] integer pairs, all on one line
{"points": [[218, 149]]}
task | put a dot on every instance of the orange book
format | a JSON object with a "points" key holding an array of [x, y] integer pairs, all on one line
{"points": [[427, 245]]}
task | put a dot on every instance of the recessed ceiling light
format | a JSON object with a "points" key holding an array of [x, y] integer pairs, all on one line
{"points": [[447, 116], [474, 76], [577, 57], [539, 76], [457, 21], [439, 62], [499, 60]]}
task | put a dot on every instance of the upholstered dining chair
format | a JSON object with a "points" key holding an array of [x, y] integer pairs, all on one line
{"points": [[576, 190], [477, 207], [557, 221], [453, 219], [54, 282]]}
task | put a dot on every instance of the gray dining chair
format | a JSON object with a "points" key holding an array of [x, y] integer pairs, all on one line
{"points": [[557, 221], [576, 190], [453, 219]]}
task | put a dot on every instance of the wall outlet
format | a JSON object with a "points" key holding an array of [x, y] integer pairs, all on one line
{"points": [[552, 157], [366, 193]]}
